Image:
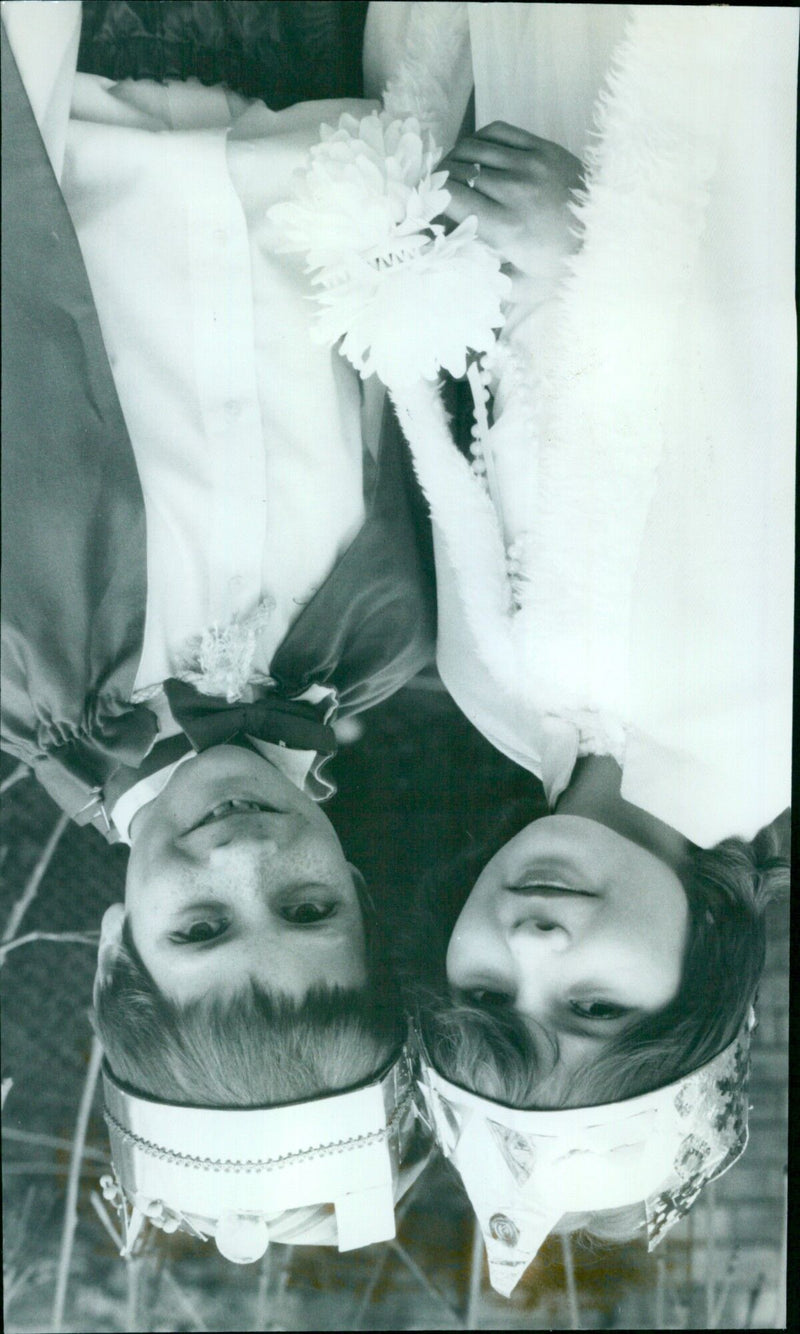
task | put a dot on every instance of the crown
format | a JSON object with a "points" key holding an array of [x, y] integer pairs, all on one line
{"points": [[232, 1173], [523, 1170]]}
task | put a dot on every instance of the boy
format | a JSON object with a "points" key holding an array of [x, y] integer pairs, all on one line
{"points": [[203, 563]]}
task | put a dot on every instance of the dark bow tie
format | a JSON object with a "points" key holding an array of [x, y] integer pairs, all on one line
{"points": [[210, 721]]}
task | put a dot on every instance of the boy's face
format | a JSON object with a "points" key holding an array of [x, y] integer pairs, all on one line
{"points": [[236, 875]]}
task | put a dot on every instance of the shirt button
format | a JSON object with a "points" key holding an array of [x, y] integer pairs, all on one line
{"points": [[220, 235], [502, 1229], [233, 409]]}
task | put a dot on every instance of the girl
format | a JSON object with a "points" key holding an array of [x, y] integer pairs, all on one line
{"points": [[615, 599]]}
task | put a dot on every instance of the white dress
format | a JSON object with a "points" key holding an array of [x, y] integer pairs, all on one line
{"points": [[641, 459]]}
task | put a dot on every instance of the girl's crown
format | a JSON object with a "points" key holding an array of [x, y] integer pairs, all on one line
{"points": [[524, 1169]]}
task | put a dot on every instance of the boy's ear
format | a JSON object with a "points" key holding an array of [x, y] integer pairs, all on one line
{"points": [[360, 883], [110, 942], [358, 878]]}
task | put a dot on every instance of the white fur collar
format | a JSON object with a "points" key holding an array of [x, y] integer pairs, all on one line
{"points": [[601, 383]]}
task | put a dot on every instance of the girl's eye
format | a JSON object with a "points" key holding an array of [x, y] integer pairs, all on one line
{"points": [[494, 1000], [199, 932], [307, 913], [597, 1009]]}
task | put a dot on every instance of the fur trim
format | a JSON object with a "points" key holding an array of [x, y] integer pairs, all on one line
{"points": [[422, 84], [605, 376], [466, 520], [600, 380]]}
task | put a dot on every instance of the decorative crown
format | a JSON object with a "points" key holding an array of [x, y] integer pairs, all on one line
{"points": [[523, 1170], [232, 1173]]}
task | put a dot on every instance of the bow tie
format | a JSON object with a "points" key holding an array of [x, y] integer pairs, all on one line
{"points": [[209, 721]]}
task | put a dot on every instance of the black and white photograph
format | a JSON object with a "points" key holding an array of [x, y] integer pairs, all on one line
{"points": [[398, 527]]}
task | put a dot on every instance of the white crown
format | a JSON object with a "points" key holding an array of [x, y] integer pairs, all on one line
{"points": [[523, 1170], [232, 1173]]}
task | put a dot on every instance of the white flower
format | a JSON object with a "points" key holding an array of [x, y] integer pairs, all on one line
{"points": [[412, 318], [369, 192], [405, 300], [220, 660]]}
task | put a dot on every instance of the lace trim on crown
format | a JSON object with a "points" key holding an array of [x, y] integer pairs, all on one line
{"points": [[260, 1164]]}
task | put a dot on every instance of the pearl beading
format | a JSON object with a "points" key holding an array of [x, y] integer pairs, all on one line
{"points": [[480, 377], [264, 1164]]}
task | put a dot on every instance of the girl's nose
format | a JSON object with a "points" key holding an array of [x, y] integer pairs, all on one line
{"points": [[551, 920], [479, 959]]}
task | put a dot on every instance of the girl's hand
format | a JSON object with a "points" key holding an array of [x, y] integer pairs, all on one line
{"points": [[520, 191]]}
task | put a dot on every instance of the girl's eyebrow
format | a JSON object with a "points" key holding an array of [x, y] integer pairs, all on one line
{"points": [[596, 1030]]}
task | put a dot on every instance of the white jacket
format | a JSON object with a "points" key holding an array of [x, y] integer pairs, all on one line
{"points": [[643, 450]]}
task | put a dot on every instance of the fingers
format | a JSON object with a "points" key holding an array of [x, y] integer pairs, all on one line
{"points": [[500, 132], [493, 183], [506, 147], [465, 203], [488, 154]]}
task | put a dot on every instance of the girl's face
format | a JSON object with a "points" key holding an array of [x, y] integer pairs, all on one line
{"points": [[580, 930]]}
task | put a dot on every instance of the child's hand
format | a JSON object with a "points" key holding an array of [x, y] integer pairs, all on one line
{"points": [[520, 190]]}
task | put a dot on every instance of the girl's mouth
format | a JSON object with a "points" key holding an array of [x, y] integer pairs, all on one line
{"points": [[550, 891]]}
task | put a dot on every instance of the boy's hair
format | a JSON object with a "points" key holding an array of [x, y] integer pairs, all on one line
{"points": [[490, 1051], [252, 1049]]}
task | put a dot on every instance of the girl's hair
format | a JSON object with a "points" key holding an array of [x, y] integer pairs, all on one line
{"points": [[490, 1051], [253, 1049]]}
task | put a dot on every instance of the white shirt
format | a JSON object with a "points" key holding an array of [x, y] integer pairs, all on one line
{"points": [[247, 436]]}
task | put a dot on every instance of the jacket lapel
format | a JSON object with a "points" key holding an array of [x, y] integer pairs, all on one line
{"points": [[74, 543]]}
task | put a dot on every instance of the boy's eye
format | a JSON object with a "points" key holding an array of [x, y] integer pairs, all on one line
{"points": [[307, 912], [201, 931], [597, 1009]]}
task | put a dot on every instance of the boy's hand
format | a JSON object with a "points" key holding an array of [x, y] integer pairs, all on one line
{"points": [[520, 190]]}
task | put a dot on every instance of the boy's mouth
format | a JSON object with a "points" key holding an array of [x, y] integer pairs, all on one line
{"points": [[234, 806]]}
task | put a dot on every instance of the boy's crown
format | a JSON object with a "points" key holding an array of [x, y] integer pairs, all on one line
{"points": [[228, 1172]]}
